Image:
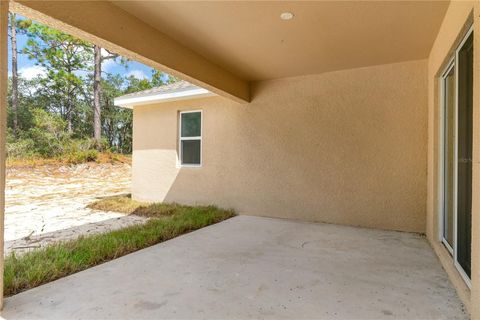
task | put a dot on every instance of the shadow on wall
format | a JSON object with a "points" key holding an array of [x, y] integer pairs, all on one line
{"points": [[345, 147]]}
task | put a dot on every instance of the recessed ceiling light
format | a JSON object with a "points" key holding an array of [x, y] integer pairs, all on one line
{"points": [[286, 16]]}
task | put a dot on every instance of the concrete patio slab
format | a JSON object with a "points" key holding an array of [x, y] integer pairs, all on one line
{"points": [[252, 267]]}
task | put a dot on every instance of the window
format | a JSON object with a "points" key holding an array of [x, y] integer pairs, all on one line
{"points": [[190, 144]]}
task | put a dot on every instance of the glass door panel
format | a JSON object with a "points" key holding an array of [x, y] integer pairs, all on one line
{"points": [[449, 157], [464, 157]]}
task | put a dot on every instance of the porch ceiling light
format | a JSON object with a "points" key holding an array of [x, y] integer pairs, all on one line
{"points": [[287, 16]]}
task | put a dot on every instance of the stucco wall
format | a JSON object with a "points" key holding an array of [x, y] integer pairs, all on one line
{"points": [[345, 147], [458, 18]]}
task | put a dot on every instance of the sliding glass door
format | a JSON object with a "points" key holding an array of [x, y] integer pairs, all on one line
{"points": [[465, 135], [457, 128]]}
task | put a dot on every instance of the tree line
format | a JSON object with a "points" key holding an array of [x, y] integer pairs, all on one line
{"points": [[70, 106]]}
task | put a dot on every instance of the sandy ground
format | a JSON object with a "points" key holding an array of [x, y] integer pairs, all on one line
{"points": [[46, 204]]}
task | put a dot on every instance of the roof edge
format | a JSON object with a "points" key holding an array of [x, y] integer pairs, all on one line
{"points": [[162, 97]]}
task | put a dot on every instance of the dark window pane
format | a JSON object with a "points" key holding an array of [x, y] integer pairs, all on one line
{"points": [[465, 146], [191, 152], [191, 124]]}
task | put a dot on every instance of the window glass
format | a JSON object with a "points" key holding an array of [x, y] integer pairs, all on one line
{"points": [[191, 152], [190, 143], [464, 154], [191, 124]]}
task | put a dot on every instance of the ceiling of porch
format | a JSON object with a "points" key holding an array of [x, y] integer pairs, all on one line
{"points": [[250, 40]]}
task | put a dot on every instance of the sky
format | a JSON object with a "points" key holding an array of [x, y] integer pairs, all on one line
{"points": [[29, 70]]}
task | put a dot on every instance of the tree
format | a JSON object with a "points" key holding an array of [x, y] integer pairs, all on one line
{"points": [[64, 57], [117, 122], [97, 91], [61, 110], [13, 39], [16, 26], [160, 78]]}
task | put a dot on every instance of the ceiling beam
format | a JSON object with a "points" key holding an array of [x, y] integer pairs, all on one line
{"points": [[110, 27]]}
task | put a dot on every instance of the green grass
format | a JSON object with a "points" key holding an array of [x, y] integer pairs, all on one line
{"points": [[56, 261]]}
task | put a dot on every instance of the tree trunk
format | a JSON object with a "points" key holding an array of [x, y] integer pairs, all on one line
{"points": [[69, 118], [97, 90], [13, 35]]}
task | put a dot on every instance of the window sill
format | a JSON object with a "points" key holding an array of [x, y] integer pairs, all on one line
{"points": [[189, 166]]}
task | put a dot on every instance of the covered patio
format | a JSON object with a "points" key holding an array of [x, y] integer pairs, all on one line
{"points": [[333, 130], [257, 268]]}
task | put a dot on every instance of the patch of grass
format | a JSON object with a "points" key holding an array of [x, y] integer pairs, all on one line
{"points": [[122, 204], [125, 204], [56, 261]]}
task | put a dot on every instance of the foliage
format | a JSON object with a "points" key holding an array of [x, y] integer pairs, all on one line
{"points": [[59, 260], [63, 57], [48, 138], [117, 122], [82, 156], [48, 132], [21, 148], [55, 109]]}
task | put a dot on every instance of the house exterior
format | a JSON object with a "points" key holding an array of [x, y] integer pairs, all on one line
{"points": [[355, 113], [281, 167]]}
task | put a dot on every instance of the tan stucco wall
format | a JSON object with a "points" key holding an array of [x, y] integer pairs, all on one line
{"points": [[345, 147], [457, 19]]}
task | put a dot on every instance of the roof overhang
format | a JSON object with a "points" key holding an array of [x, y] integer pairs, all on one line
{"points": [[112, 28], [225, 46], [153, 98], [251, 40]]}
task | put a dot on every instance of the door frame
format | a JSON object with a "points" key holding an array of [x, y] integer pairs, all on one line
{"points": [[455, 234], [450, 65]]}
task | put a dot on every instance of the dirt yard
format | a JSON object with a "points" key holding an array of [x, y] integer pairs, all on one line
{"points": [[46, 204]]}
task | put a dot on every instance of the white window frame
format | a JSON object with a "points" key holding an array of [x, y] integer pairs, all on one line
{"points": [[180, 139], [453, 62]]}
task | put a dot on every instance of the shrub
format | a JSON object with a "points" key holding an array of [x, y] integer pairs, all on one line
{"points": [[49, 133], [75, 145], [81, 156], [22, 148], [49, 138]]}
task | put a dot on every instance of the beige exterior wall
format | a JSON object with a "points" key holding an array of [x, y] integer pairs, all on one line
{"points": [[345, 147], [456, 22]]}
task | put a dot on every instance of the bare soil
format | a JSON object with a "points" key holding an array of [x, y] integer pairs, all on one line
{"points": [[47, 204]]}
